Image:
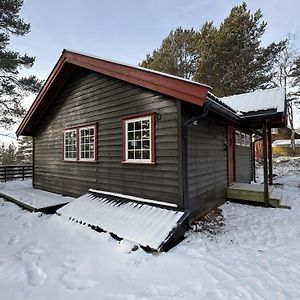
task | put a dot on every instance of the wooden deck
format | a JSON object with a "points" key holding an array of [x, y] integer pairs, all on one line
{"points": [[254, 193], [22, 194]]}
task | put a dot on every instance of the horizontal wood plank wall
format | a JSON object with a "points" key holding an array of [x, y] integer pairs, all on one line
{"points": [[91, 97], [243, 164], [207, 165]]}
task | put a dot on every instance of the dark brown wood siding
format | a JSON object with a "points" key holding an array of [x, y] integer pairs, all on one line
{"points": [[243, 159], [90, 97], [207, 164]]}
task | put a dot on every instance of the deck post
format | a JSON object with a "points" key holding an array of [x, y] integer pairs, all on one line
{"points": [[253, 159], [265, 156], [270, 155]]}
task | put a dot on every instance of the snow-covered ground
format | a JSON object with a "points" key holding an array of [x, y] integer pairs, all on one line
{"points": [[255, 255]]}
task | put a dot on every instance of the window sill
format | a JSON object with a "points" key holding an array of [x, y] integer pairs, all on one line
{"points": [[80, 161], [137, 163]]}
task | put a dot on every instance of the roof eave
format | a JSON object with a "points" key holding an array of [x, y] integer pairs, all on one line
{"points": [[169, 85]]}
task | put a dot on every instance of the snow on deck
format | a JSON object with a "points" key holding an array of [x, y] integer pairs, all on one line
{"points": [[257, 100], [22, 193], [140, 223]]}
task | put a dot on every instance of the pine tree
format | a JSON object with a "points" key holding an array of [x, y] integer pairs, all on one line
{"points": [[9, 155], [13, 87], [24, 153], [2, 151], [177, 54], [231, 58], [287, 75]]}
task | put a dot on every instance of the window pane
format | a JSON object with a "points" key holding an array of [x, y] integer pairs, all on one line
{"points": [[145, 124], [130, 145], [146, 134], [130, 136], [146, 144], [138, 125], [138, 154], [137, 135], [130, 154], [146, 154], [138, 145], [130, 126]]}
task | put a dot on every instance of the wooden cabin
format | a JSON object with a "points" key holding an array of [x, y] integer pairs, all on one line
{"points": [[104, 125]]}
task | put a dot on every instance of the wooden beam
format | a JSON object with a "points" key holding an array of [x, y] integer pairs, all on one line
{"points": [[270, 155], [253, 160], [265, 157]]}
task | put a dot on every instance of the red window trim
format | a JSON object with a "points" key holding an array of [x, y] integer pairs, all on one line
{"points": [[152, 141], [77, 128]]}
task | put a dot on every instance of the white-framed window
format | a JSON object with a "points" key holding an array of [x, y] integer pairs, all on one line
{"points": [[138, 139], [70, 144], [87, 143], [248, 140], [237, 138], [80, 143], [242, 139]]}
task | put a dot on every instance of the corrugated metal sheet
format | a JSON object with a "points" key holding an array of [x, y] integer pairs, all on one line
{"points": [[140, 223], [257, 100]]}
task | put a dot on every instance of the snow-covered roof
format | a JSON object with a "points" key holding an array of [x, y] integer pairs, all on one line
{"points": [[141, 223], [285, 143], [257, 100]]}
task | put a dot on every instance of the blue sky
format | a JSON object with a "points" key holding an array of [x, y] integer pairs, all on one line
{"points": [[127, 30]]}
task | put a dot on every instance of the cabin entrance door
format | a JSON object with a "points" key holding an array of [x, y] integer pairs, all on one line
{"points": [[231, 155]]}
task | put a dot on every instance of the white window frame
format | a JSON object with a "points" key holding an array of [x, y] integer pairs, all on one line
{"points": [[237, 138], [94, 143], [76, 148], [142, 160], [242, 139]]}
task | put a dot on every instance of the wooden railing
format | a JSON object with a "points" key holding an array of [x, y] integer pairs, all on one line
{"points": [[11, 172]]}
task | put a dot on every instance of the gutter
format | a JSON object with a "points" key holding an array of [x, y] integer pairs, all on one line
{"points": [[221, 109]]}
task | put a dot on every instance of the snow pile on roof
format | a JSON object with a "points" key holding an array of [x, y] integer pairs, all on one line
{"points": [[141, 223], [257, 100], [285, 143]]}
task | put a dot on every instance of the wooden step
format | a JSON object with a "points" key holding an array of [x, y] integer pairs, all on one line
{"points": [[254, 193]]}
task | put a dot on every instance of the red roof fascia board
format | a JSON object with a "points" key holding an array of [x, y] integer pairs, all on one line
{"points": [[177, 88], [37, 102]]}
